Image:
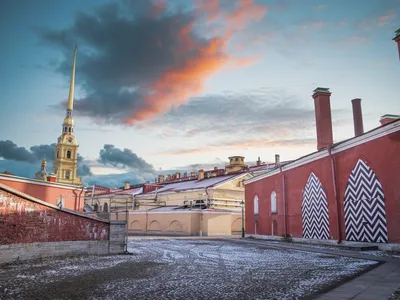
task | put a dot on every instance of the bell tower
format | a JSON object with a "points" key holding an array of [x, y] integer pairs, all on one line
{"points": [[66, 156]]}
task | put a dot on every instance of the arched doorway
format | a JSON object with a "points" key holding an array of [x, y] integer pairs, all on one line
{"points": [[314, 210], [364, 206], [105, 207]]}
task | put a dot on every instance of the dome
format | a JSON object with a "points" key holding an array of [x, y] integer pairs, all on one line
{"points": [[68, 121]]}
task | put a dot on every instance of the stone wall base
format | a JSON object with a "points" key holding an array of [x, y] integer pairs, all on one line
{"points": [[19, 252], [381, 246]]}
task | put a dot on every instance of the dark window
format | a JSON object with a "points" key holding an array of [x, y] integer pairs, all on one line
{"points": [[105, 207], [95, 207], [69, 129], [236, 159], [58, 154], [68, 154], [67, 174]]}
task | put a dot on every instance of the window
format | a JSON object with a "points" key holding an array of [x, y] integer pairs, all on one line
{"points": [[65, 129], [256, 205], [95, 207], [69, 129], [58, 154], [67, 174], [105, 207], [273, 203], [68, 154]]}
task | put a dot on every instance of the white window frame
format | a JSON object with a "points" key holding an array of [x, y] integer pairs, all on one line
{"points": [[256, 203], [274, 207]]}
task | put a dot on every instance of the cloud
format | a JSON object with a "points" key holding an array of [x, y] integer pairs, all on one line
{"points": [[354, 39], [139, 58], [123, 158], [11, 153], [9, 150], [259, 118], [379, 19], [247, 144]]}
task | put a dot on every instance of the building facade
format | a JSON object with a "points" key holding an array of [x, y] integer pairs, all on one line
{"points": [[347, 191], [62, 195]]}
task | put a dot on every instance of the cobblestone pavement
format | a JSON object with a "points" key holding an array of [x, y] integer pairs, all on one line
{"points": [[181, 269]]}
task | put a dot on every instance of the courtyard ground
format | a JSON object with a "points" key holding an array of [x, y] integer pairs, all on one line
{"points": [[182, 269]]}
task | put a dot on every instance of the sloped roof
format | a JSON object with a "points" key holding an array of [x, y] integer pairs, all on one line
{"points": [[133, 191], [196, 184]]}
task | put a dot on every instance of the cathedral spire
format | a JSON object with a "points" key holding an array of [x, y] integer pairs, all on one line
{"points": [[70, 105]]}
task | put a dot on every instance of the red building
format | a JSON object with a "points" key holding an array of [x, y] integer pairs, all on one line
{"points": [[347, 191], [64, 195]]}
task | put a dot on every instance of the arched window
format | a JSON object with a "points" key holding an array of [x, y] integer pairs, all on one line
{"points": [[69, 129], [67, 174], [95, 207], [256, 205], [273, 203], [68, 154], [105, 207]]}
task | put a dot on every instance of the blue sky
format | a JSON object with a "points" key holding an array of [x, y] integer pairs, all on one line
{"points": [[225, 107]]}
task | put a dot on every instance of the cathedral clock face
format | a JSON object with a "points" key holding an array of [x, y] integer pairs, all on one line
{"points": [[70, 140]]}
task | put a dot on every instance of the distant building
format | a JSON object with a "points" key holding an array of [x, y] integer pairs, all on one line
{"points": [[63, 195]]}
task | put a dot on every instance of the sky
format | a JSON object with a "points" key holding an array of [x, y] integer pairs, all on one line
{"points": [[184, 84]]}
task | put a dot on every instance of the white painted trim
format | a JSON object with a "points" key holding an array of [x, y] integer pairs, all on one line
{"points": [[40, 182], [353, 142]]}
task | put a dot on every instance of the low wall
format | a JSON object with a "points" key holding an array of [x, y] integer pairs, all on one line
{"points": [[182, 223], [31, 228]]}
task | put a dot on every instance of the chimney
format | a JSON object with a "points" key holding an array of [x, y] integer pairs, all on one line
{"points": [[215, 168], [169, 177], [397, 39], [127, 185], [357, 117], [259, 161], [160, 178], [277, 159], [185, 175], [178, 175], [201, 174], [192, 174], [323, 119]]}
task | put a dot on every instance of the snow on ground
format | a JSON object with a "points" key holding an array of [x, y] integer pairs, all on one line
{"points": [[181, 269]]}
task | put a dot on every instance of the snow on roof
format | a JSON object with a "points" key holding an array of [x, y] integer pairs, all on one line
{"points": [[133, 191], [195, 184]]}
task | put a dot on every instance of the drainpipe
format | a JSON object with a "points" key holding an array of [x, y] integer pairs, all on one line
{"points": [[335, 193], [208, 197], [284, 200]]}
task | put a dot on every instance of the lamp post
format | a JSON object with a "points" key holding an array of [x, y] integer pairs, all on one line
{"points": [[242, 204]]}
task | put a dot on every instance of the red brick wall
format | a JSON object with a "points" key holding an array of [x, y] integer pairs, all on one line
{"points": [[382, 156], [26, 221], [73, 198]]}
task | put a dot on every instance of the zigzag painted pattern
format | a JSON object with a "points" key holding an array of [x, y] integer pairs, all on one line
{"points": [[364, 206], [314, 210]]}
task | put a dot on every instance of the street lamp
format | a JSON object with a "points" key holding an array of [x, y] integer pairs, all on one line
{"points": [[242, 204]]}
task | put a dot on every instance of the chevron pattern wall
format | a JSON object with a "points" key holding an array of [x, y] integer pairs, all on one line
{"points": [[364, 206], [314, 210]]}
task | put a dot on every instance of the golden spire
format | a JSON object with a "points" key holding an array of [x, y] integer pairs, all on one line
{"points": [[70, 105]]}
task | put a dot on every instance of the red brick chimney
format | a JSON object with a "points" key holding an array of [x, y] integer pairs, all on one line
{"points": [[323, 119], [397, 39], [357, 117]]}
